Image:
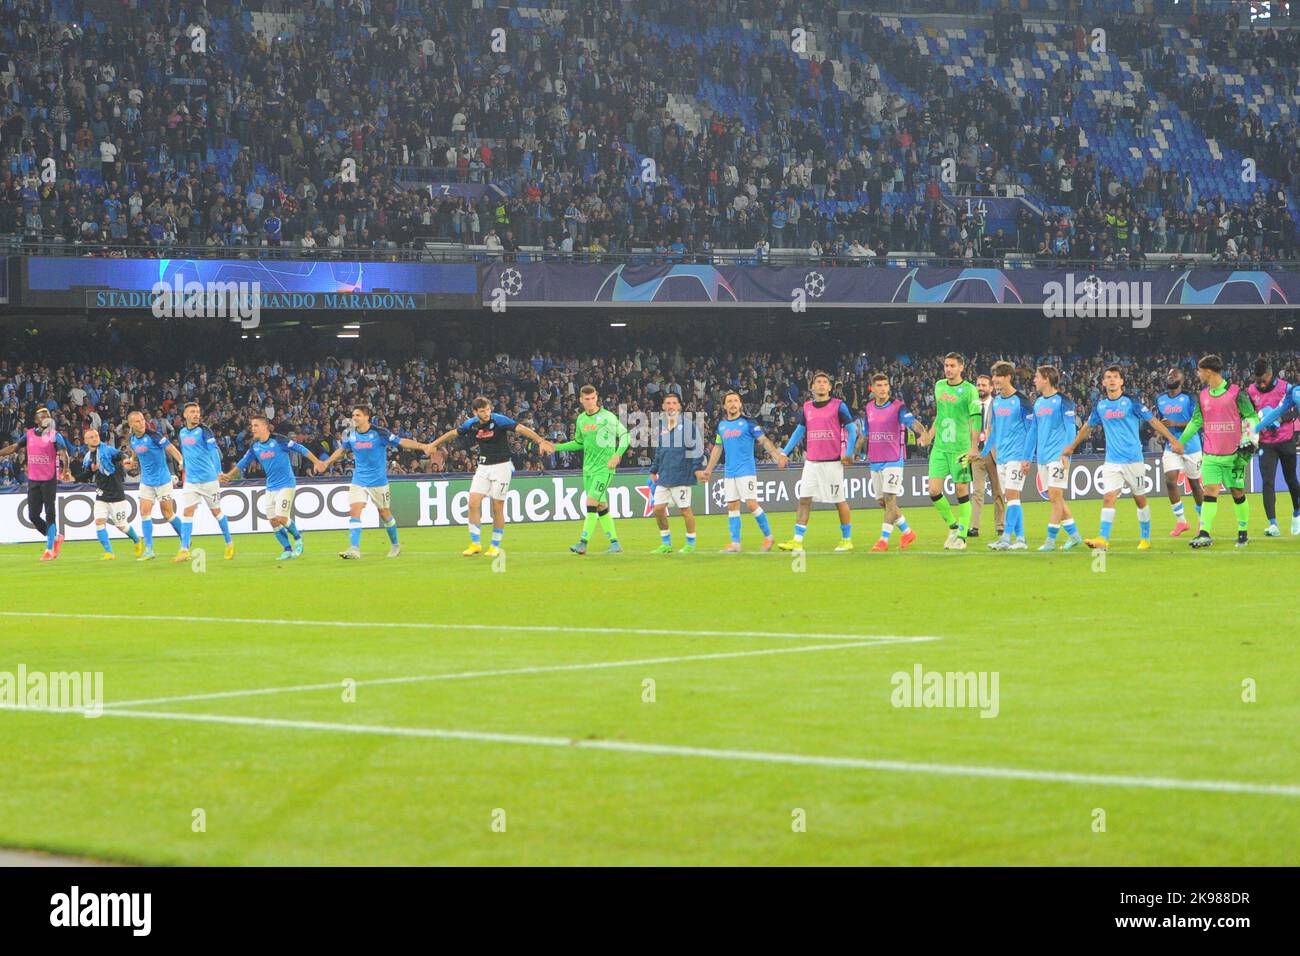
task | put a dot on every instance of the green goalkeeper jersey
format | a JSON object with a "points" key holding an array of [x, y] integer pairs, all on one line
{"points": [[957, 411], [599, 437]]}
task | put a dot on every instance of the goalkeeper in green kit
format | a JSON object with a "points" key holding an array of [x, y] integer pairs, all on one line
{"points": [[602, 439], [958, 420]]}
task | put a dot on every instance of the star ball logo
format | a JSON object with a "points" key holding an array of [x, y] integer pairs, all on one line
{"points": [[814, 283], [512, 282], [719, 492]]}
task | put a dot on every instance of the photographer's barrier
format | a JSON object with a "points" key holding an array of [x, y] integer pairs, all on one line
{"points": [[444, 501]]}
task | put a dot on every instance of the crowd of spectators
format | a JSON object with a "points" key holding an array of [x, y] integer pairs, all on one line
{"points": [[561, 119], [536, 382]]}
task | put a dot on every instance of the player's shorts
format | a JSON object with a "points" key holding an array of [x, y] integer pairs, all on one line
{"points": [[822, 481], [677, 495], [1228, 471], [208, 491], [1055, 475], [945, 463], [595, 485], [492, 480], [1011, 474], [1189, 464], [888, 478], [1116, 476], [279, 503], [157, 492], [380, 495], [740, 488], [116, 513]]}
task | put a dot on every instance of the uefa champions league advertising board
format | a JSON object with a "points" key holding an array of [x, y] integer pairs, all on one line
{"points": [[444, 502]]}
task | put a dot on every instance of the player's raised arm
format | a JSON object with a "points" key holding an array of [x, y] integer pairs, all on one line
{"points": [[1160, 429], [795, 438], [532, 436], [335, 455], [1084, 431], [238, 468], [1193, 426], [304, 451], [1268, 416], [573, 445], [780, 457]]}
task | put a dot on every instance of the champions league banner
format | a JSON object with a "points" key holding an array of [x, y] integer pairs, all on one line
{"points": [[1086, 294], [444, 502]]}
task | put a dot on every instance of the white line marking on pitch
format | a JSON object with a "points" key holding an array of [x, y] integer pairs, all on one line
{"points": [[540, 669], [437, 626], [709, 753]]}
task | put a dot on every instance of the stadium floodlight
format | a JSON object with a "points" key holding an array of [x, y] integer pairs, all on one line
{"points": [[348, 335], [354, 325], [618, 325]]}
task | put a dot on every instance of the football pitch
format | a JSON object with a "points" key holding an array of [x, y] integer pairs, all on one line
{"points": [[681, 709]]}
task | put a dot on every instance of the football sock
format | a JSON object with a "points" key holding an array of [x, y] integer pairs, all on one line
{"points": [[1242, 508], [945, 510], [1209, 511], [1107, 519]]}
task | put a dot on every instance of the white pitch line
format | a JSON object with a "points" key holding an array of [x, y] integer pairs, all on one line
{"points": [[540, 669], [709, 753], [438, 626]]}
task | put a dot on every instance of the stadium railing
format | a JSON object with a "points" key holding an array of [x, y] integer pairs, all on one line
{"points": [[452, 253]]}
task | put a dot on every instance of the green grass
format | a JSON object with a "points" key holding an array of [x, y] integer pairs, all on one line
{"points": [[1131, 671]]}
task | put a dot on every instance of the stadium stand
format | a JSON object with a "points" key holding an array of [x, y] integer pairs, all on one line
{"points": [[1108, 157]]}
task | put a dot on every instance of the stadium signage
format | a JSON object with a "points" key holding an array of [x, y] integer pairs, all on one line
{"points": [[217, 302], [282, 283], [1104, 293]]}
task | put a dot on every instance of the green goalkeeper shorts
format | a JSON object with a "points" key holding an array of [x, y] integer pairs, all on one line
{"points": [[945, 463], [1226, 470], [596, 486]]}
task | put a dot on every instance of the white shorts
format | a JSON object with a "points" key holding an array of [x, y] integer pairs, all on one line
{"points": [[679, 495], [1012, 475], [1189, 464], [157, 492], [379, 494], [740, 488], [1114, 477], [822, 481], [114, 512], [492, 480], [209, 491], [1054, 475], [889, 480], [279, 503]]}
